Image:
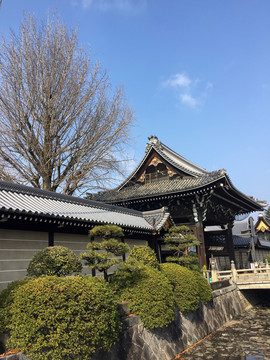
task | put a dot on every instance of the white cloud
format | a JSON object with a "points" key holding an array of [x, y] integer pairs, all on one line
{"points": [[188, 100], [191, 92], [119, 5], [178, 80]]}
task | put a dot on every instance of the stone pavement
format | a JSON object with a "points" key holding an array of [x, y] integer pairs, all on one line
{"points": [[247, 337]]}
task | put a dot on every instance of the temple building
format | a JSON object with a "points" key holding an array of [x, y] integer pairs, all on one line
{"points": [[191, 194]]}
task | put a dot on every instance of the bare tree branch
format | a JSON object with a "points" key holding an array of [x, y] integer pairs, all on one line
{"points": [[61, 125]]}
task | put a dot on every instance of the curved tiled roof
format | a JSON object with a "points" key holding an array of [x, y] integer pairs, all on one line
{"points": [[176, 160], [27, 200], [160, 187]]}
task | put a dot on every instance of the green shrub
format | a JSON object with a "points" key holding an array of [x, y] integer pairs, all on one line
{"points": [[6, 299], [127, 275], [151, 297], [56, 318], [184, 282], [54, 260], [204, 289], [144, 254]]}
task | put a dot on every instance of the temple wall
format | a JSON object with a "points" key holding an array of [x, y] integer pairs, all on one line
{"points": [[19, 246]]}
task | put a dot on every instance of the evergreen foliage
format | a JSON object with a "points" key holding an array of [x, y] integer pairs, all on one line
{"points": [[150, 296], [189, 286], [54, 260], [102, 255], [69, 318], [178, 240], [144, 254], [127, 275], [203, 287], [6, 300]]}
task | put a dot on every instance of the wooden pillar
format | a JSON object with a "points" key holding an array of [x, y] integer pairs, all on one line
{"points": [[229, 242], [51, 238], [200, 237], [124, 255]]}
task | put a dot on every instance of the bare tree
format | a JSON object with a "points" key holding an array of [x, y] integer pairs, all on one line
{"points": [[61, 124]]}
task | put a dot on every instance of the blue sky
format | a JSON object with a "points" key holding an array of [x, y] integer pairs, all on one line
{"points": [[196, 72]]}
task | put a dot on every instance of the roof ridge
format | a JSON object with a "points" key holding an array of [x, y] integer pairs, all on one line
{"points": [[158, 145]]}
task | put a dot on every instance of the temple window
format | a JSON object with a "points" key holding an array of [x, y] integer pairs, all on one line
{"points": [[154, 173]]}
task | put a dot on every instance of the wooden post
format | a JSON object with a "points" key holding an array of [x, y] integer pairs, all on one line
{"points": [[214, 275], [229, 242], [51, 238], [234, 272], [200, 237]]}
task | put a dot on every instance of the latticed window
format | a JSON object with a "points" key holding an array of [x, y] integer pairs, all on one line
{"points": [[154, 173]]}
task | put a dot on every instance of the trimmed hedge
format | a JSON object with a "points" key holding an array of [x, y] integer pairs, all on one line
{"points": [[189, 286], [68, 318], [150, 296], [54, 260], [204, 289], [144, 254], [6, 300]]}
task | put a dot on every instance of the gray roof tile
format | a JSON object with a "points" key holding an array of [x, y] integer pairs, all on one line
{"points": [[28, 200], [162, 186]]}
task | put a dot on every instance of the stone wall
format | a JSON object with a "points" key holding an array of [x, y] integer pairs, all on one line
{"points": [[138, 343]]}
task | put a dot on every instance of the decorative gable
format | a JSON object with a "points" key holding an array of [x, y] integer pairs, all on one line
{"points": [[262, 226], [155, 169]]}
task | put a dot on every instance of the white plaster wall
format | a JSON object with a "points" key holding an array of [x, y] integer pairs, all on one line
{"points": [[17, 247]]}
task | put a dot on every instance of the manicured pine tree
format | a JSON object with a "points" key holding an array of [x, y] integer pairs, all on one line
{"points": [[104, 247], [178, 240]]}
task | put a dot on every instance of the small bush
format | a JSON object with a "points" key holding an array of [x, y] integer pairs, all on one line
{"points": [[6, 300], [54, 260], [126, 276], [56, 318], [151, 297], [184, 282], [144, 254], [204, 289]]}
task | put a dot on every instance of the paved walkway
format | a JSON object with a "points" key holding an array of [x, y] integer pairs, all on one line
{"points": [[247, 337]]}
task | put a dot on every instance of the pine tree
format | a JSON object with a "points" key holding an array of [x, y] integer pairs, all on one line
{"points": [[178, 240], [104, 247]]}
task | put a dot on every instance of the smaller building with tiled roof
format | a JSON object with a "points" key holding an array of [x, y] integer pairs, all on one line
{"points": [[31, 219]]}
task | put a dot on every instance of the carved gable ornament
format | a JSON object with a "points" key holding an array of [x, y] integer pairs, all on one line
{"points": [[262, 227], [155, 161]]}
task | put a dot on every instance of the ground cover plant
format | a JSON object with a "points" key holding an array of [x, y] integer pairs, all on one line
{"points": [[54, 260], [55, 318]]}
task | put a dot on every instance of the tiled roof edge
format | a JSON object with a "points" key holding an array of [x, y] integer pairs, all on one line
{"points": [[18, 188]]}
